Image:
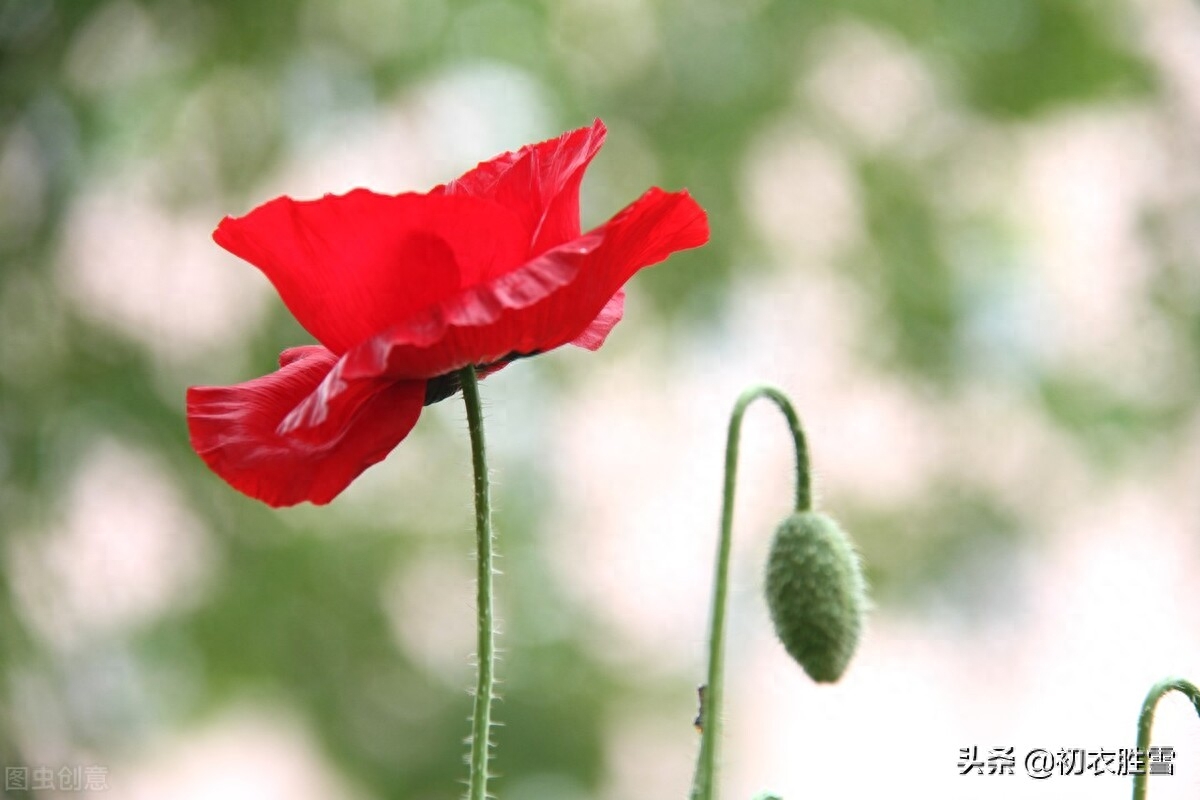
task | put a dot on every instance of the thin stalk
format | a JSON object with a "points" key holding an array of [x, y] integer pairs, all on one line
{"points": [[1146, 722], [481, 720], [704, 782]]}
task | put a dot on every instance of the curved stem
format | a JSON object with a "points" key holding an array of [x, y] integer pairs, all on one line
{"points": [[704, 783], [1146, 721], [481, 721]]}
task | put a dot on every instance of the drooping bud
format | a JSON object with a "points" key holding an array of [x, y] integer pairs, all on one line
{"points": [[816, 594]]}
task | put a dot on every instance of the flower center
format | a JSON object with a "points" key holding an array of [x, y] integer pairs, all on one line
{"points": [[448, 384]]}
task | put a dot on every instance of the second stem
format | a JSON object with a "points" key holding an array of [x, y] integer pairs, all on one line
{"points": [[704, 782]]}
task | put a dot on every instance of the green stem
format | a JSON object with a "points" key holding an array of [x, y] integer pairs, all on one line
{"points": [[481, 721], [1146, 721], [704, 783]]}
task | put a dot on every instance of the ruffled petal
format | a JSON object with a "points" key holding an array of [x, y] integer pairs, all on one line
{"points": [[349, 266], [595, 334], [240, 433], [540, 183], [643, 234], [547, 303]]}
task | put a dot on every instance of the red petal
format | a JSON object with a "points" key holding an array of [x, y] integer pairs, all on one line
{"points": [[595, 334], [349, 266], [548, 302], [540, 182], [237, 429]]}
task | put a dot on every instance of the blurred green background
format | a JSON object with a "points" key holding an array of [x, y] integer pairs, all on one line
{"points": [[961, 234]]}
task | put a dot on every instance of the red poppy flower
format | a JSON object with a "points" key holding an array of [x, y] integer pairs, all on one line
{"points": [[403, 290]]}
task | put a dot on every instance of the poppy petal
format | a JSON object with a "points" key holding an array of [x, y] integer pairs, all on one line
{"points": [[644, 233], [349, 266], [237, 430], [540, 182], [595, 334], [547, 303]]}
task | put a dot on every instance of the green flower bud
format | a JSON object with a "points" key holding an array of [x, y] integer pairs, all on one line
{"points": [[816, 594]]}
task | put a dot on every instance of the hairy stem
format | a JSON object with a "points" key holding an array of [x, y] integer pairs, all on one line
{"points": [[481, 720]]}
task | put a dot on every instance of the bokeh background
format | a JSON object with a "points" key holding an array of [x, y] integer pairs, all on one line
{"points": [[962, 235]]}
